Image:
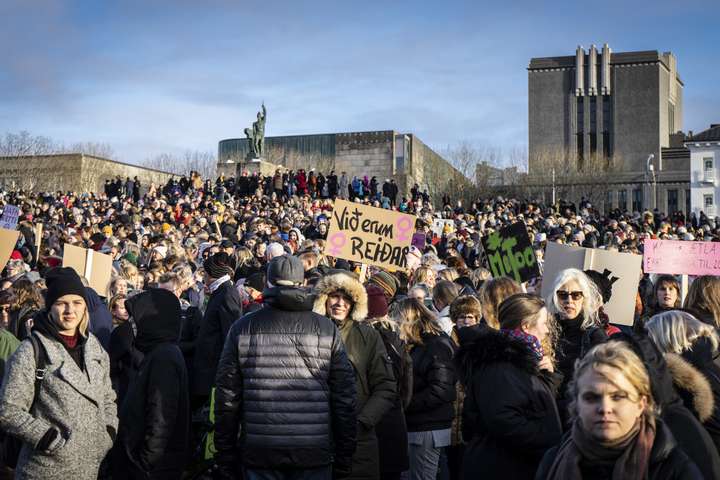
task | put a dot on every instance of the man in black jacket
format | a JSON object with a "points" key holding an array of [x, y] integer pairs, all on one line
{"points": [[154, 426], [223, 308], [285, 381]]}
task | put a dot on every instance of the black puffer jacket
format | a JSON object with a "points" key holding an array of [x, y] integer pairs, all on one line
{"points": [[702, 357], [285, 382], [154, 431], [431, 407], [667, 462], [223, 308], [509, 417]]}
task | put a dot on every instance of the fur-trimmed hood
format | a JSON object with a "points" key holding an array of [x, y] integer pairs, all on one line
{"points": [[689, 379], [346, 283], [489, 347]]}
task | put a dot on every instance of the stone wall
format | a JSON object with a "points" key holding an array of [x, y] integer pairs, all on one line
{"points": [[70, 172]]}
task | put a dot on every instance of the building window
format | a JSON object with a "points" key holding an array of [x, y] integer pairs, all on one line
{"points": [[622, 199], [671, 118], [593, 114], [607, 126], [401, 153], [580, 114], [609, 201], [688, 196], [672, 198], [708, 163], [637, 200], [708, 201], [593, 144]]}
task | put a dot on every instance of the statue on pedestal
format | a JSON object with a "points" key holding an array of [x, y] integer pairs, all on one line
{"points": [[256, 135]]}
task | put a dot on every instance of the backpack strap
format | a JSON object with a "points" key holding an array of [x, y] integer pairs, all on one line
{"points": [[41, 362]]}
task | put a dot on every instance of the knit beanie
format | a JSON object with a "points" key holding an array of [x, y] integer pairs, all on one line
{"points": [[62, 281], [377, 302], [218, 265], [386, 282], [256, 281]]}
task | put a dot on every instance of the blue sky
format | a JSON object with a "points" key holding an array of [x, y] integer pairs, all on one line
{"points": [[150, 77]]}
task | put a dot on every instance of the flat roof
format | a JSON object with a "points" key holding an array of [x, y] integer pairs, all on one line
{"points": [[9, 157]]}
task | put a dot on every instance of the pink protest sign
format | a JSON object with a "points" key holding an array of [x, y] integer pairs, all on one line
{"points": [[681, 258]]}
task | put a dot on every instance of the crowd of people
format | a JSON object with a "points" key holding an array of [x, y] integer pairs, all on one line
{"points": [[229, 345]]}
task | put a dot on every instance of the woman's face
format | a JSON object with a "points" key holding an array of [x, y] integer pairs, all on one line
{"points": [[466, 320], [121, 287], [540, 330], [608, 405], [570, 297], [667, 295], [67, 312], [4, 315], [119, 311]]}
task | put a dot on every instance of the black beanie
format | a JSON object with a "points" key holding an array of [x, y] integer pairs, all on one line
{"points": [[218, 265], [62, 281]]}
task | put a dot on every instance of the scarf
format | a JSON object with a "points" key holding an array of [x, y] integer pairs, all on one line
{"points": [[530, 341], [627, 456]]}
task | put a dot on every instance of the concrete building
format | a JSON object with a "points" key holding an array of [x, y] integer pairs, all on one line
{"points": [[70, 172], [704, 180], [599, 111], [384, 154]]}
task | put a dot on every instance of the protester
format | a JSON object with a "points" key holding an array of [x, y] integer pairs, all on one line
{"points": [[690, 347], [391, 430], [152, 441], [430, 413], [574, 303], [344, 300], [615, 431], [492, 294], [510, 418], [116, 305], [666, 295], [703, 300], [72, 423], [223, 308], [444, 293], [307, 431]]}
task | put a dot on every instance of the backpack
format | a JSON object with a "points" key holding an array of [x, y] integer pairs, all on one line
{"points": [[10, 446]]}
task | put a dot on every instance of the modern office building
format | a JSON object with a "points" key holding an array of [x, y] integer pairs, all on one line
{"points": [[615, 112]]}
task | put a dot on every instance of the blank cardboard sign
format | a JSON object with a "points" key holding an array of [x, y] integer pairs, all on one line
{"points": [[95, 266], [8, 239], [625, 266]]}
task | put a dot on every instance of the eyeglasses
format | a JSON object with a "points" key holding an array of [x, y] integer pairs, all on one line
{"points": [[563, 295]]}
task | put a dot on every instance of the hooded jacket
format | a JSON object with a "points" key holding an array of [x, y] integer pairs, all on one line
{"points": [[295, 357], [509, 417], [684, 426], [81, 387], [155, 415], [376, 387]]}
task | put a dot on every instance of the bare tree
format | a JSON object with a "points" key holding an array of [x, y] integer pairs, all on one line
{"points": [[24, 143], [95, 149], [203, 162]]}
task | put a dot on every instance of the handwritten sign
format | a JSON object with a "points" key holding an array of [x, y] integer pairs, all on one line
{"points": [[375, 236], [8, 239], [95, 266], [510, 254], [623, 268], [677, 257], [10, 216]]}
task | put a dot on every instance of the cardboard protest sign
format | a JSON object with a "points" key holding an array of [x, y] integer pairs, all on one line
{"points": [[624, 272], [8, 239], [510, 254], [375, 236], [95, 266], [38, 238], [439, 224], [675, 257], [10, 216]]}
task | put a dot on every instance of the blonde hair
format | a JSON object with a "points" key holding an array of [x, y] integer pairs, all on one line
{"points": [[415, 319], [676, 331], [449, 274], [492, 294], [704, 297], [617, 355], [592, 300], [422, 274]]}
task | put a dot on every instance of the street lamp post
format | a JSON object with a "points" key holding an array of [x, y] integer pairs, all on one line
{"points": [[651, 176]]}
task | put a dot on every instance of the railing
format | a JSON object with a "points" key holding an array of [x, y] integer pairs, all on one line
{"points": [[709, 175]]}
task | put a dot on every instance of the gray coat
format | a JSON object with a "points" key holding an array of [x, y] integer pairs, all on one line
{"points": [[81, 405]]}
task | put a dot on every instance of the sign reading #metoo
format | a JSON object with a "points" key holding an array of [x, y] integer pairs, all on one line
{"points": [[370, 235], [510, 254]]}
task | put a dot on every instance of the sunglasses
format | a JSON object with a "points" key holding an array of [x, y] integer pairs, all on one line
{"points": [[4, 308], [563, 295]]}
